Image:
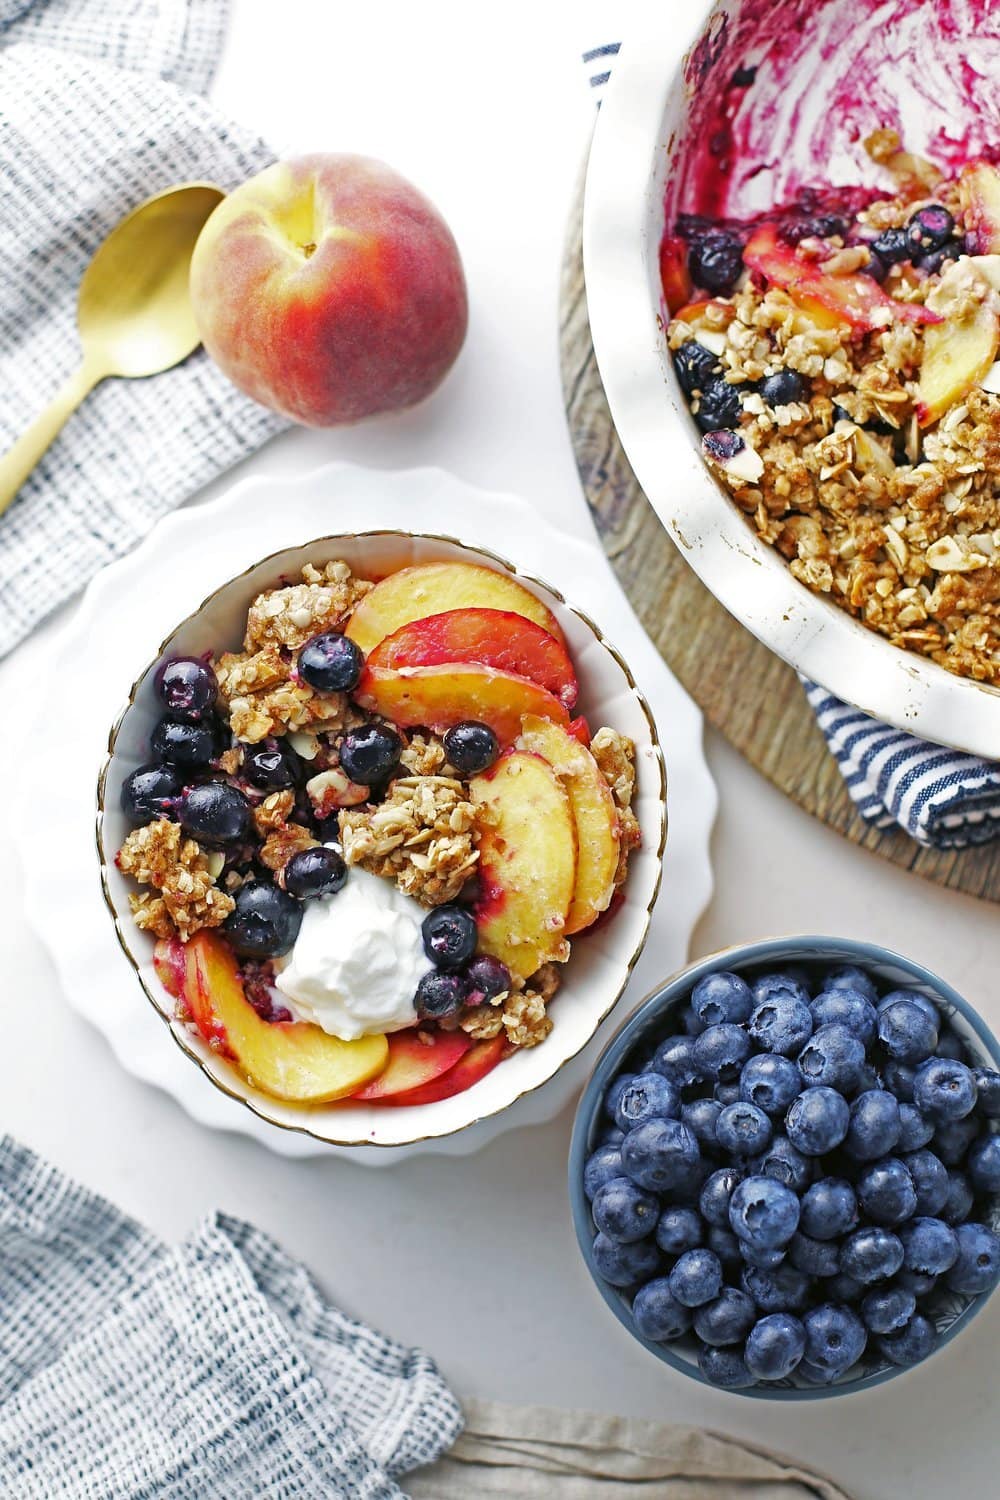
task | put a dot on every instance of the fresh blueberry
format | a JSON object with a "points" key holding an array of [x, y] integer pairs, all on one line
{"points": [[850, 977], [675, 1059], [370, 754], [817, 1121], [700, 1116], [761, 1256], [944, 1089], [624, 1212], [892, 246], [815, 1257], [936, 260], [471, 747], [928, 229], [835, 1337], [180, 743], [678, 1229], [719, 406], [331, 663], [790, 981], [696, 1277], [781, 1023], [660, 1154], [721, 996], [929, 1246], [886, 1192], [906, 1033], [610, 1137], [844, 1288], [214, 813], [724, 1368], [785, 1163], [930, 1179], [770, 1081], [689, 1023], [950, 1044], [957, 1207], [829, 1209], [726, 1320], [917, 1282], [721, 1050], [716, 1194], [616, 1088], [657, 1314], [725, 1245], [440, 995], [914, 1130], [978, 1262], [272, 765], [601, 1166], [899, 1079], [911, 997], [814, 226], [265, 921], [625, 1265], [784, 387], [871, 1254], [988, 1091], [764, 1212], [188, 687], [983, 1164], [723, 445], [715, 261], [783, 1289], [726, 1093], [844, 1007], [911, 1344], [450, 934], [150, 792], [888, 1309], [486, 977], [695, 366], [953, 1138], [743, 1129], [832, 1057], [648, 1097], [774, 1346], [874, 1127], [315, 872]]}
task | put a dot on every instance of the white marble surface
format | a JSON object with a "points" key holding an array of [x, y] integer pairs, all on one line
{"points": [[474, 1258]]}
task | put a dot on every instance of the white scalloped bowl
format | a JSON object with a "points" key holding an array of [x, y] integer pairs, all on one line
{"points": [[601, 960], [640, 131]]}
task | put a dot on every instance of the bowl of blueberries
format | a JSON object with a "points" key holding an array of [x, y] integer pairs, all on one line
{"points": [[785, 1169]]}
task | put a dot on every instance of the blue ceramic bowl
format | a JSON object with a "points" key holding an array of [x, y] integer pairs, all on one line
{"points": [[950, 1311]]}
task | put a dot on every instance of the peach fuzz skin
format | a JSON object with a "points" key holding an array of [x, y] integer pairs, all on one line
{"points": [[328, 288]]}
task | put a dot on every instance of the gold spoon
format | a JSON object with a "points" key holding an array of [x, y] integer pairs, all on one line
{"points": [[133, 312]]}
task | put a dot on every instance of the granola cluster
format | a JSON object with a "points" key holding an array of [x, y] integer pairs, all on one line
{"points": [[422, 837], [158, 855], [615, 757], [520, 1012]]}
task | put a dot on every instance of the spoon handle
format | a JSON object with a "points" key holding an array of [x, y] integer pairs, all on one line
{"points": [[18, 462]]}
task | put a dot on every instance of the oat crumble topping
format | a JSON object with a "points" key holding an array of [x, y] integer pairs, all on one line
{"points": [[422, 836], [615, 757], [159, 855]]}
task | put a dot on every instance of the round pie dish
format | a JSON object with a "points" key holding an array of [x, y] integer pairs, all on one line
{"points": [[948, 1310], [638, 151], [599, 967]]}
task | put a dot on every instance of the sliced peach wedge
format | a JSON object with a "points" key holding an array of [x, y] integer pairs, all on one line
{"points": [[959, 351], [170, 963], [432, 589], [416, 1059], [480, 1059], [593, 807], [488, 637], [291, 1060], [440, 697], [979, 191], [527, 861]]}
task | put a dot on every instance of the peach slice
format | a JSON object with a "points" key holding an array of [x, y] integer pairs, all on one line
{"points": [[956, 357], [440, 697], [416, 1059], [433, 588], [170, 963], [475, 1064], [675, 279], [979, 191], [490, 638], [597, 830], [853, 297], [290, 1060], [527, 861], [580, 730]]}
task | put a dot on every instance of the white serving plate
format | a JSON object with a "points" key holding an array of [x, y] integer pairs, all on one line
{"points": [[135, 604], [641, 121]]}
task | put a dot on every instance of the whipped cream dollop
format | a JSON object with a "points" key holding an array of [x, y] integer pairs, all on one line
{"points": [[357, 961]]}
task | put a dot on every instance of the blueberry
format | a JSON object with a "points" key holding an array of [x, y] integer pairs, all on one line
{"points": [[439, 995], [725, 1245], [214, 813], [917, 1282], [764, 1212], [179, 743], [914, 1130], [832, 1057], [911, 997], [782, 1290], [936, 260], [953, 1138], [715, 261], [678, 1229], [950, 1044], [829, 1209], [957, 1207], [761, 1256], [721, 1050], [785, 1163], [928, 229], [988, 1091], [743, 1129], [716, 1194], [899, 1079], [188, 687], [450, 935], [871, 1254], [784, 387], [150, 792], [688, 1022], [835, 1337], [906, 1033], [696, 1277], [723, 445], [272, 765], [774, 1346], [892, 246], [814, 226], [657, 1314], [265, 921], [817, 1121], [781, 1023], [886, 1192], [314, 872], [471, 746], [770, 1081], [727, 1320], [601, 1166], [944, 1089], [814, 1257], [978, 1262], [888, 1309], [695, 366], [369, 755], [983, 1164], [700, 1116], [721, 996], [911, 1344], [331, 663], [726, 1093], [850, 977], [844, 1288], [675, 1060], [615, 1089], [930, 1180], [624, 1212], [719, 406], [486, 977], [874, 1127], [648, 1097], [660, 1154], [612, 1137], [849, 1008], [625, 1265], [929, 1246], [724, 1368]]}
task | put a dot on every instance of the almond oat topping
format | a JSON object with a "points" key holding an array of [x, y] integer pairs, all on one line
{"points": [[482, 1022], [615, 756], [158, 855], [525, 1019], [291, 616], [421, 836]]}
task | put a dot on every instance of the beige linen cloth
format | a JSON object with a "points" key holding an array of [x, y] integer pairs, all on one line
{"points": [[524, 1453]]}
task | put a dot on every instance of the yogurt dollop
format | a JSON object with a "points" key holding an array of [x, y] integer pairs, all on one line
{"points": [[357, 961]]}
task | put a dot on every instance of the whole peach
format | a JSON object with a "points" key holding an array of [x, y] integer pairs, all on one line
{"points": [[329, 288]]}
